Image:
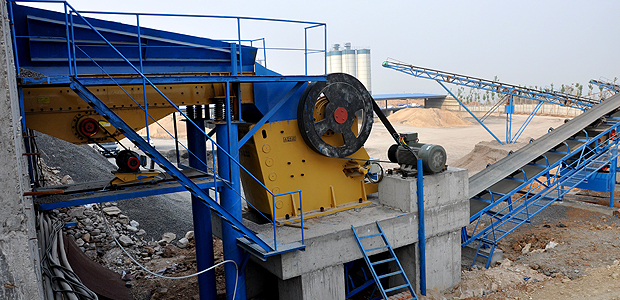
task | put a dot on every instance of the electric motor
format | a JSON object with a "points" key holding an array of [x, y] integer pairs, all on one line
{"points": [[433, 156], [128, 161]]}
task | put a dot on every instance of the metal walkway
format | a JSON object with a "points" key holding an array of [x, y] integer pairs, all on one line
{"points": [[581, 153]]}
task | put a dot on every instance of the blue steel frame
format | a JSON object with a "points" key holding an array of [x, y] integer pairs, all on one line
{"points": [[606, 85], [574, 168], [552, 97], [230, 151]]}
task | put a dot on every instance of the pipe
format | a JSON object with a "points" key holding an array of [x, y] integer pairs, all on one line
{"points": [[421, 234]]}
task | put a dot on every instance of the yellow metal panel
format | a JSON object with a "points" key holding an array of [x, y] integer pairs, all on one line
{"points": [[54, 110], [278, 156]]}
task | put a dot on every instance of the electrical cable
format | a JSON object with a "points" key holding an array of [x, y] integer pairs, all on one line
{"points": [[59, 280], [168, 277]]}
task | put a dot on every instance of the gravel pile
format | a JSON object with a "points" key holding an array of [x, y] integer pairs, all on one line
{"points": [[156, 214], [90, 232], [81, 162]]}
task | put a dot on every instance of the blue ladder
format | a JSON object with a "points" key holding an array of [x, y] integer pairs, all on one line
{"points": [[150, 151], [371, 265]]}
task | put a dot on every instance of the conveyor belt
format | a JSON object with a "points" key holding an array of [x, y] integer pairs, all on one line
{"points": [[508, 165]]}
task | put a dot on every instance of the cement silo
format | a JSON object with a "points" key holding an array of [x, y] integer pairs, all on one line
{"points": [[348, 60], [363, 67], [334, 60]]}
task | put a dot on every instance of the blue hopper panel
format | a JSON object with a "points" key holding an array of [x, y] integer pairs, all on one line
{"points": [[41, 40]]}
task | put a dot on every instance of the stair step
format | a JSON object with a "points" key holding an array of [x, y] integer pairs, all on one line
{"points": [[383, 261], [397, 288], [390, 274], [369, 236], [373, 249]]}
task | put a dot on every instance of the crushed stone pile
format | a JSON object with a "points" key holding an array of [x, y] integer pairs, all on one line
{"points": [[81, 162], [484, 153], [428, 117], [157, 214]]}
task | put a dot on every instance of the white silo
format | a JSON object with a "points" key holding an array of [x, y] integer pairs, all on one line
{"points": [[335, 60], [363, 67], [348, 60]]}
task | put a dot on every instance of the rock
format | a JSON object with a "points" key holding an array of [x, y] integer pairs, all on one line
{"points": [[182, 243], [170, 250], [112, 255], [526, 249], [494, 287], [134, 223], [66, 180], [76, 212], [131, 228], [168, 237], [86, 237], [189, 235], [551, 245], [79, 242], [614, 275], [125, 241], [505, 263], [140, 232], [87, 222], [92, 254], [111, 211]]}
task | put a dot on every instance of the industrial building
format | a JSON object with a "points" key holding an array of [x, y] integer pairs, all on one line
{"points": [[290, 146]]}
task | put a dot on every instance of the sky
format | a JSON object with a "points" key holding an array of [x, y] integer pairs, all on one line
{"points": [[533, 43]]}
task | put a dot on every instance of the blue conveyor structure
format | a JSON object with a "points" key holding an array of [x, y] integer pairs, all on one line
{"points": [[582, 153], [614, 88], [543, 96]]}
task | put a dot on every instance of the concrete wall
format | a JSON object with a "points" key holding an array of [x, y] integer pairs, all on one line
{"points": [[520, 108], [19, 262]]}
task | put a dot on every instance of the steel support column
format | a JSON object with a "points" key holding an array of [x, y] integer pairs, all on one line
{"points": [[203, 234], [230, 200]]}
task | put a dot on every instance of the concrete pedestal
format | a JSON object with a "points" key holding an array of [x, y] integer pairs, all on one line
{"points": [[318, 272]]}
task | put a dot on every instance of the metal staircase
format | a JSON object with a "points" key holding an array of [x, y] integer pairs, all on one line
{"points": [[248, 236], [373, 265], [505, 195]]}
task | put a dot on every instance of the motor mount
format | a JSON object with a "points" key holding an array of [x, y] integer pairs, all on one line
{"points": [[332, 107], [128, 161]]}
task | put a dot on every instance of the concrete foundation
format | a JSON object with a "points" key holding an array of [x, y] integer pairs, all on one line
{"points": [[20, 274], [318, 272]]}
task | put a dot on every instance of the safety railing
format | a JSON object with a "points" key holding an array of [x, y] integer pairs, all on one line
{"points": [[544, 188], [73, 48]]}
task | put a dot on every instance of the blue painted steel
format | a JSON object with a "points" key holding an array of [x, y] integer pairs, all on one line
{"points": [[527, 122], [231, 202], [197, 145], [552, 97], [546, 96], [606, 85], [271, 112], [38, 32], [101, 197], [267, 96], [582, 164], [371, 265], [470, 113], [421, 227], [117, 122]]}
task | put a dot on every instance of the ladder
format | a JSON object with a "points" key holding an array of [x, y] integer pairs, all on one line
{"points": [[371, 265]]}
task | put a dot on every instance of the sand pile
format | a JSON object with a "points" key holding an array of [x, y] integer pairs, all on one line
{"points": [[158, 133], [428, 117], [484, 153]]}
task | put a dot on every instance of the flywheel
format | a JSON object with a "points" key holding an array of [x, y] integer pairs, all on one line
{"points": [[335, 116]]}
